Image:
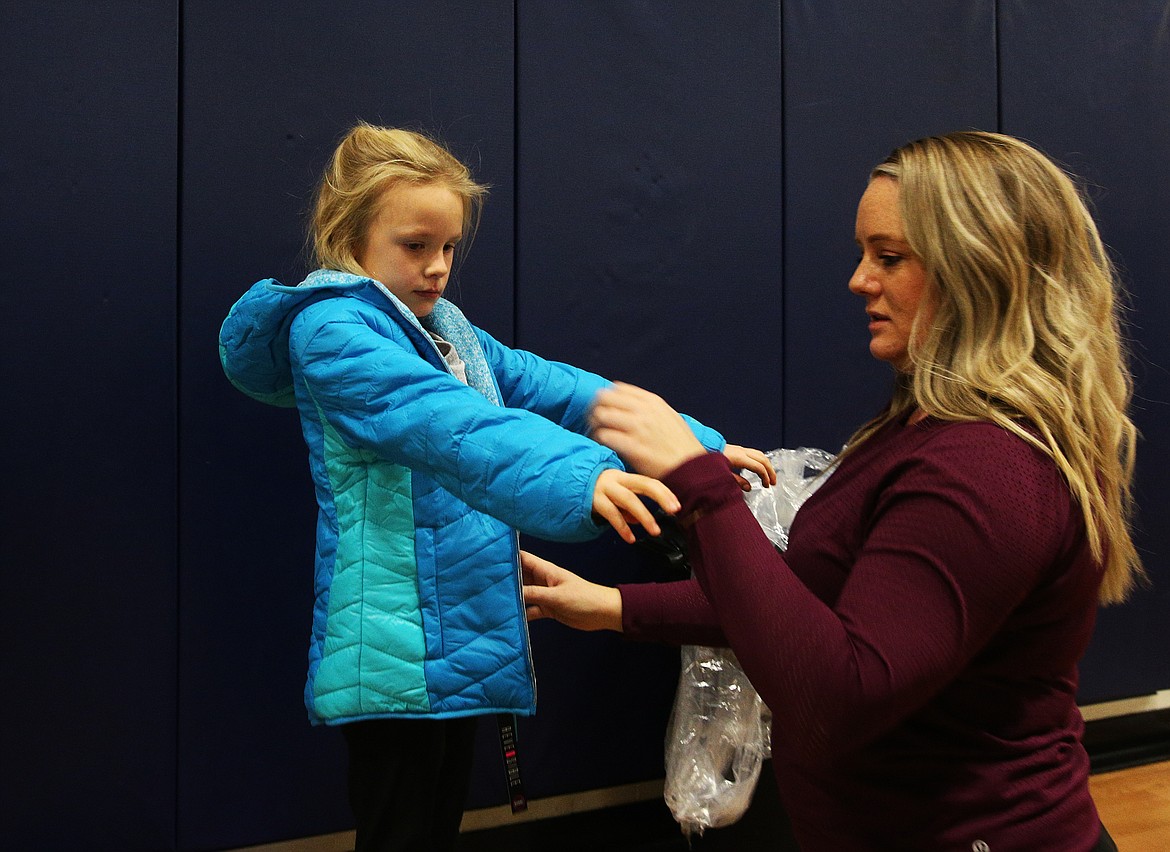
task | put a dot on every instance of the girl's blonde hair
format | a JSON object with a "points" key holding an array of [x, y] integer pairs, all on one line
{"points": [[1025, 328], [368, 160]]}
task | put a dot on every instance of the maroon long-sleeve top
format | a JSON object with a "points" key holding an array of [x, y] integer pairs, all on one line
{"points": [[917, 644]]}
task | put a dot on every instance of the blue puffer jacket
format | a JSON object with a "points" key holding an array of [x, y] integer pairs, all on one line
{"points": [[420, 482]]}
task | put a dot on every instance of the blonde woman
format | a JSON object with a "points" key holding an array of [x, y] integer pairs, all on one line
{"points": [[918, 642], [430, 444]]}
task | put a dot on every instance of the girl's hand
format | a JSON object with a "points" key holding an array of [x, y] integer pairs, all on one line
{"points": [[745, 458], [552, 592], [615, 498], [641, 428]]}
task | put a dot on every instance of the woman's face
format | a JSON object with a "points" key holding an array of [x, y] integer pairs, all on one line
{"points": [[889, 276]]}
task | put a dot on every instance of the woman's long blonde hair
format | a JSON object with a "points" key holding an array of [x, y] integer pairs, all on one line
{"points": [[368, 160], [1025, 329]]}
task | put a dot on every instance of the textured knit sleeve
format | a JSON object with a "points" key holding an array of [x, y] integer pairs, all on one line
{"points": [[676, 613], [957, 537]]}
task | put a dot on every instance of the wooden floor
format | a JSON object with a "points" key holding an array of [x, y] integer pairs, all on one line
{"points": [[1135, 806]]}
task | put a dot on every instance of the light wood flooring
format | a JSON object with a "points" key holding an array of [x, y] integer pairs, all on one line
{"points": [[1134, 803], [1135, 806]]}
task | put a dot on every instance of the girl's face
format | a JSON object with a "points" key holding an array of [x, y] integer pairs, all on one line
{"points": [[411, 242], [889, 276]]}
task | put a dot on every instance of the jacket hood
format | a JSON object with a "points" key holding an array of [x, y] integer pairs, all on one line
{"points": [[253, 341]]}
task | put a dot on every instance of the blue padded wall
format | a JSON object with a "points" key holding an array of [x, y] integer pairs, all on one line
{"points": [[648, 250], [268, 89], [87, 361], [1093, 90], [859, 79], [649, 219]]}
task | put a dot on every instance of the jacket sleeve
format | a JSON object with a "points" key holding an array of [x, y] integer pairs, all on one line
{"points": [[560, 392], [375, 393]]}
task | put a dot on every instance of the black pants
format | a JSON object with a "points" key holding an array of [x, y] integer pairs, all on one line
{"points": [[1105, 842], [408, 781]]}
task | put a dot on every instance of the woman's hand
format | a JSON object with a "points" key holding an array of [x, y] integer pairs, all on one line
{"points": [[552, 592], [745, 458], [615, 498], [641, 428]]}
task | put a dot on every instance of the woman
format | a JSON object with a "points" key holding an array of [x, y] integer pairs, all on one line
{"points": [[918, 641]]}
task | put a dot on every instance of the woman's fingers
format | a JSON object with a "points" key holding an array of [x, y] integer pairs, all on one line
{"points": [[551, 591], [625, 408], [537, 571], [640, 427], [539, 575]]}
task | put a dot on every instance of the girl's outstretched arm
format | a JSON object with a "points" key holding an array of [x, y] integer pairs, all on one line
{"points": [[616, 499]]}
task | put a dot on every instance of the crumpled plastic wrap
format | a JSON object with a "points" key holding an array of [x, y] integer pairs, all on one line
{"points": [[716, 741], [720, 730]]}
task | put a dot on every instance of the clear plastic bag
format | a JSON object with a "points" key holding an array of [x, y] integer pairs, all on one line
{"points": [[798, 474], [716, 741], [719, 731]]}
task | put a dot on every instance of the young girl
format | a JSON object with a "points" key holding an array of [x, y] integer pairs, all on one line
{"points": [[430, 444]]}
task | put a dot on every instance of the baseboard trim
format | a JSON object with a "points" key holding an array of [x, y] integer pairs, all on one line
{"points": [[493, 817], [564, 805], [341, 841], [1127, 706], [1118, 734]]}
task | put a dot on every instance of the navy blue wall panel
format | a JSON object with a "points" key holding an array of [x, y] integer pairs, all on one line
{"points": [[648, 249], [87, 364], [649, 218], [268, 89], [859, 79], [1093, 90]]}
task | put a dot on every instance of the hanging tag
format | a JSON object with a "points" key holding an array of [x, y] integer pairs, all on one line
{"points": [[516, 798]]}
